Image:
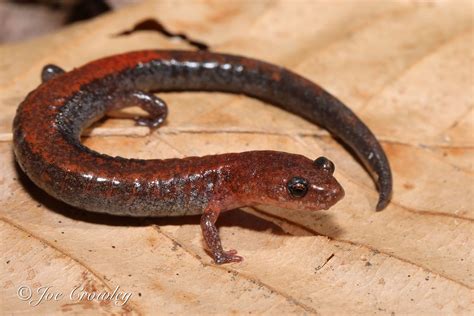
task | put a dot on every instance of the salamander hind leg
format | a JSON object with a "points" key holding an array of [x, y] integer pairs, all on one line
{"points": [[152, 104], [213, 241], [156, 107], [50, 71]]}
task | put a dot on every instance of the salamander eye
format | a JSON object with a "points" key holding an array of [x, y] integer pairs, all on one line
{"points": [[297, 187], [324, 164]]}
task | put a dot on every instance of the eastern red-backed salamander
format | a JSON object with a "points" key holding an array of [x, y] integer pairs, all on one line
{"points": [[49, 122]]}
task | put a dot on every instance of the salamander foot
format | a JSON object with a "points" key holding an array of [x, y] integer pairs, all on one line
{"points": [[227, 257], [213, 241]]}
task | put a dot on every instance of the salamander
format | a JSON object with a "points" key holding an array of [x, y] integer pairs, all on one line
{"points": [[49, 122]]}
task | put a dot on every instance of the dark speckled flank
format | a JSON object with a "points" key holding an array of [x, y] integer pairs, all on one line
{"points": [[49, 122]]}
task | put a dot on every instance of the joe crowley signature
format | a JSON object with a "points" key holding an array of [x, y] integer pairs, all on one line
{"points": [[34, 297]]}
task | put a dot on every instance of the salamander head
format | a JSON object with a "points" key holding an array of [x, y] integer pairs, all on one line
{"points": [[296, 182]]}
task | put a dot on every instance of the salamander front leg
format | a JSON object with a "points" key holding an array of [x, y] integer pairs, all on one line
{"points": [[213, 241]]}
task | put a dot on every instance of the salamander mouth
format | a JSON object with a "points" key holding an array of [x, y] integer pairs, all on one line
{"points": [[327, 205], [331, 199]]}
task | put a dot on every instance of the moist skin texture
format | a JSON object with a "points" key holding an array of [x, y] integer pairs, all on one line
{"points": [[49, 122]]}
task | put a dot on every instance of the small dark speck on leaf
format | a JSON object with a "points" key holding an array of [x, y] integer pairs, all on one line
{"points": [[322, 265], [368, 264], [139, 294], [154, 25], [8, 261], [175, 246]]}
